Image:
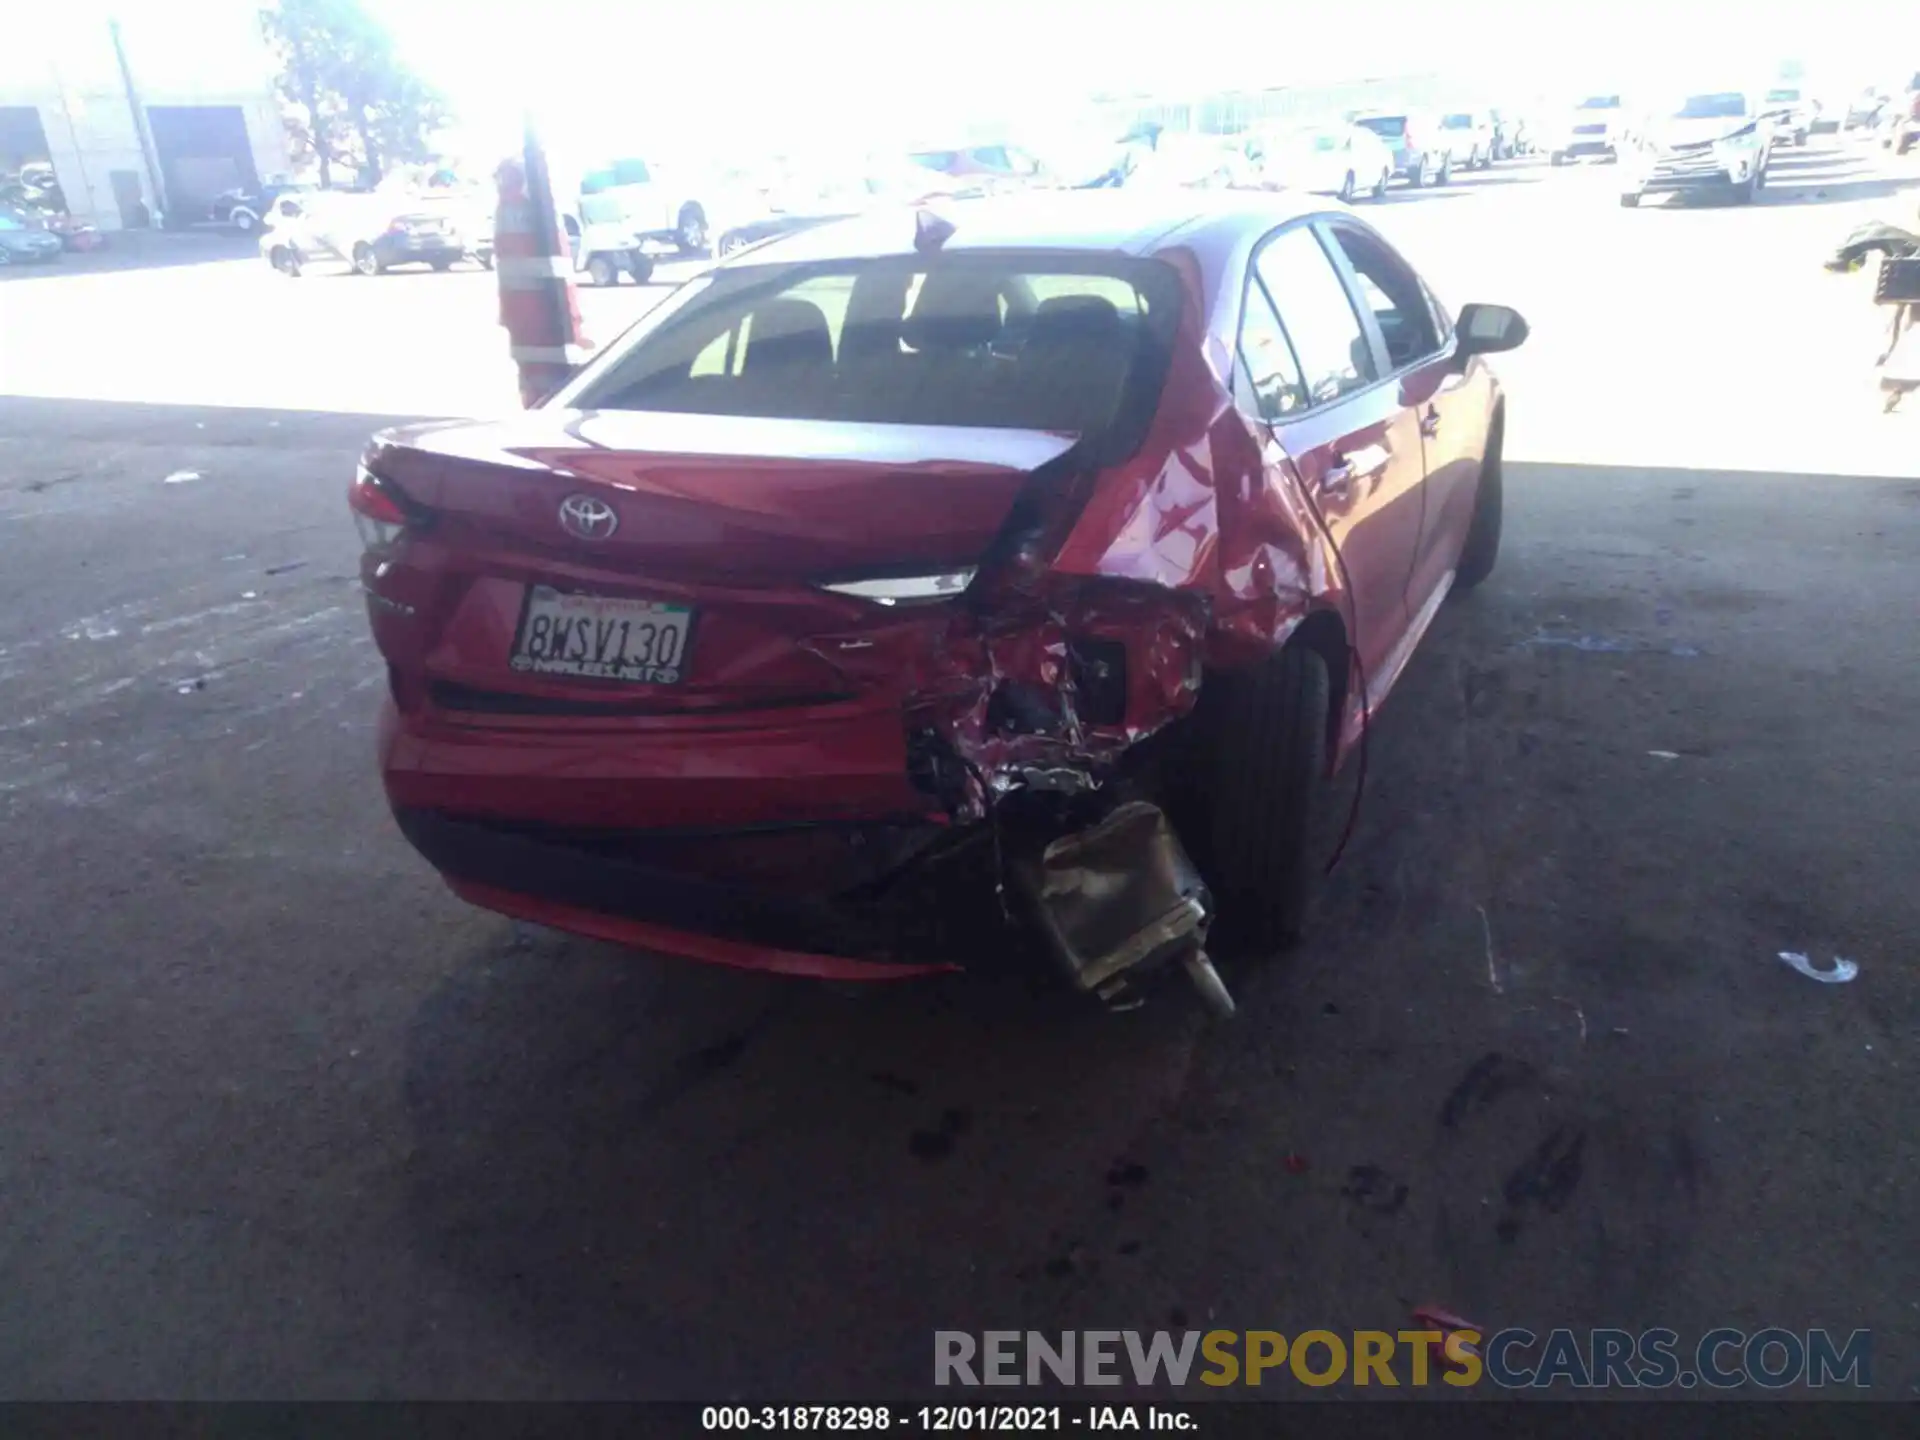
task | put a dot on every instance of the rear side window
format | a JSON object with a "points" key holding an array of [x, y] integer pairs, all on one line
{"points": [[1042, 342], [1332, 347], [1390, 127], [1267, 359]]}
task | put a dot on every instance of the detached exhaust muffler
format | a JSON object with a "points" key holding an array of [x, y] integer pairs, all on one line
{"points": [[1122, 899]]}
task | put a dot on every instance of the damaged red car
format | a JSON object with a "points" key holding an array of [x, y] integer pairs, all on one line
{"points": [[923, 590]]}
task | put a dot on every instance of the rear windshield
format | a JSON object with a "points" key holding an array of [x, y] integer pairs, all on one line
{"points": [[1783, 94], [1024, 341], [1599, 102], [1457, 122], [1724, 106], [1390, 126]]}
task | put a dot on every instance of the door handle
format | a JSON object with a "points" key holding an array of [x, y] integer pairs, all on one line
{"points": [[1430, 423], [1366, 463]]}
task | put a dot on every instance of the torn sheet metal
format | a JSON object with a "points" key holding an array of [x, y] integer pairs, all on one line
{"points": [[1043, 688]]}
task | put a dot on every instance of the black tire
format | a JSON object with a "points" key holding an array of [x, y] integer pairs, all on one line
{"points": [[365, 261], [1482, 547], [602, 271], [1262, 735], [1446, 170], [286, 260], [1903, 144], [1557, 159], [1379, 191], [640, 266], [443, 264], [484, 259], [690, 230], [1631, 201], [1348, 188], [1417, 176], [245, 221]]}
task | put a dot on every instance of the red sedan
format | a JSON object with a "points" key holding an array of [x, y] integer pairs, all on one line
{"points": [[925, 587]]}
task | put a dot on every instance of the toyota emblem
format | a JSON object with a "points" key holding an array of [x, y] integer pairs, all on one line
{"points": [[588, 517]]}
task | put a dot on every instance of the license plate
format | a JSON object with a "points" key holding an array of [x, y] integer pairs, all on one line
{"points": [[602, 637]]}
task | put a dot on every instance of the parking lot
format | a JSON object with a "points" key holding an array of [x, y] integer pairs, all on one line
{"points": [[279, 1117]]}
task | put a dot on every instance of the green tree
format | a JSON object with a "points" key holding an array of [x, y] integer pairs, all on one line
{"points": [[350, 100]]}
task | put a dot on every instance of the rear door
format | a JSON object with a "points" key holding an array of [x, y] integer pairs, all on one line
{"points": [[1448, 408], [1354, 445]]}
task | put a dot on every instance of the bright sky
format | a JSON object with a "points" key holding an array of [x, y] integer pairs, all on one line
{"points": [[767, 73]]}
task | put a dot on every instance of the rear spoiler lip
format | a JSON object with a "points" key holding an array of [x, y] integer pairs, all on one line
{"points": [[537, 438]]}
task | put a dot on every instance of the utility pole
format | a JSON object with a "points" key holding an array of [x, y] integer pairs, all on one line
{"points": [[148, 153]]}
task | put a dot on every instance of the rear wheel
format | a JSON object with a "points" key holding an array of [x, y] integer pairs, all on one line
{"points": [[1483, 534], [1446, 170], [1348, 188], [1417, 176], [1631, 199], [1379, 191], [245, 221], [640, 266], [444, 263], [365, 262], [1557, 158], [286, 260], [1262, 735], [691, 230], [602, 271]]}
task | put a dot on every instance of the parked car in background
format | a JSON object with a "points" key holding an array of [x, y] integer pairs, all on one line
{"points": [[1469, 138], [1865, 109], [802, 198], [663, 203], [1180, 160], [1420, 157], [1714, 144], [1791, 112], [810, 612], [1347, 161], [1511, 134], [1597, 126], [371, 232], [1003, 166], [602, 247], [246, 210], [26, 241]]}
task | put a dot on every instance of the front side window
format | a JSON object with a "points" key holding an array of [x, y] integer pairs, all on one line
{"points": [[1042, 342], [1335, 357], [1390, 289]]}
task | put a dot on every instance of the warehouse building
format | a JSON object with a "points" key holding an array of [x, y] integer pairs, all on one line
{"points": [[138, 121]]}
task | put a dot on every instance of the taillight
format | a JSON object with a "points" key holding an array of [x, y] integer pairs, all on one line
{"points": [[378, 512]]}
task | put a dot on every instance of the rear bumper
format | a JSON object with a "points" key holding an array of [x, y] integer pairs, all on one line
{"points": [[797, 846], [588, 885], [394, 250], [1586, 145]]}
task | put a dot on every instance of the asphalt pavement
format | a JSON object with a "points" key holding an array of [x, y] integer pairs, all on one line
{"points": [[280, 1118]]}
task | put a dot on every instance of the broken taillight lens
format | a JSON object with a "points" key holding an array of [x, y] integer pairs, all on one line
{"points": [[379, 512]]}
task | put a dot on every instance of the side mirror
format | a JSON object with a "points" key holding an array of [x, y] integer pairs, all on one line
{"points": [[1488, 329]]}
